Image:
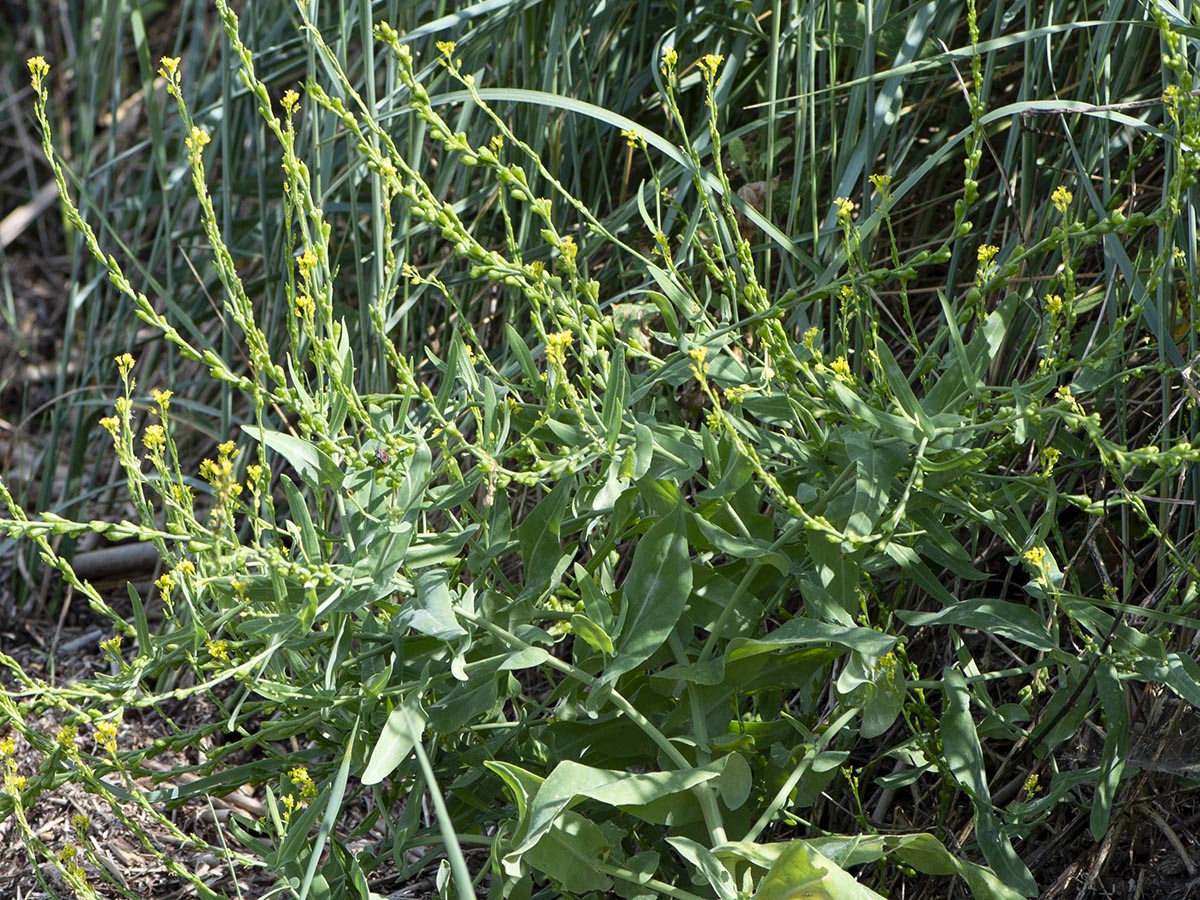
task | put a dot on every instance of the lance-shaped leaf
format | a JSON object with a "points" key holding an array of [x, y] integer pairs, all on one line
{"points": [[654, 594]]}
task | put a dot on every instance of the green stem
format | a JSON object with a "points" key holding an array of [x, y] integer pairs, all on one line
{"points": [[653, 883], [803, 766], [708, 803], [458, 865], [702, 792]]}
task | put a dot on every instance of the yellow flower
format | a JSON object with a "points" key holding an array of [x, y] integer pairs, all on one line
{"points": [[670, 59], [305, 307], [882, 185], [1032, 786], [155, 438], [1054, 304], [841, 369], [38, 69], [1170, 97], [111, 646], [987, 253], [569, 250], [556, 347], [1035, 556], [106, 735], [197, 139], [845, 210], [306, 262], [1061, 198], [218, 650], [169, 68], [163, 399], [124, 364], [446, 48], [1069, 400], [710, 63], [289, 101], [166, 584], [633, 138], [699, 366], [113, 425], [1050, 457], [66, 737]]}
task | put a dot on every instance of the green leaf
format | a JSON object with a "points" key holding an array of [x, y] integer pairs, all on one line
{"points": [[737, 547], [1178, 672], [310, 544], [570, 783], [431, 612], [520, 350], [653, 595], [801, 873], [866, 641], [315, 467], [404, 728], [538, 535], [140, 623], [1116, 745], [900, 388], [521, 783], [528, 658], [681, 299], [964, 757], [713, 870], [1011, 620], [569, 853], [593, 634], [616, 393]]}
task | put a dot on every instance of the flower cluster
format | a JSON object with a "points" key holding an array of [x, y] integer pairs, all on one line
{"points": [[709, 64], [556, 348], [305, 791], [220, 474], [1061, 198], [38, 69], [168, 68], [883, 186], [633, 138], [219, 651], [670, 59], [106, 735], [841, 369], [845, 210], [14, 782]]}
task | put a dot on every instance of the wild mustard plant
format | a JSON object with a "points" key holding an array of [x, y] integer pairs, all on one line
{"points": [[370, 576]]}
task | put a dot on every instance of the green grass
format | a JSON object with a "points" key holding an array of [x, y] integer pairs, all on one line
{"points": [[666, 545]]}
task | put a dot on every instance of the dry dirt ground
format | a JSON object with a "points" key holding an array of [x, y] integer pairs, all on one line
{"points": [[111, 840]]}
